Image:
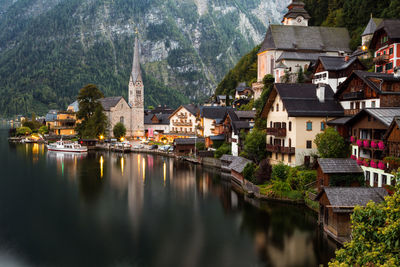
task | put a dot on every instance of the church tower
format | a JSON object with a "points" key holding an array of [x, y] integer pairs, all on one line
{"points": [[136, 93], [297, 15]]}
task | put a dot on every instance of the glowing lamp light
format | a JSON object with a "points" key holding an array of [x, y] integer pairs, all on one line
{"points": [[101, 137], [364, 48], [165, 141], [122, 139]]}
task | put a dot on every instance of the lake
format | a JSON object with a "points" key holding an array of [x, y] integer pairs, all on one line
{"points": [[107, 209]]}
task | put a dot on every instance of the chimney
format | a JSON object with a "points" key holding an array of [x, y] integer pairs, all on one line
{"points": [[397, 72], [346, 58], [320, 92]]}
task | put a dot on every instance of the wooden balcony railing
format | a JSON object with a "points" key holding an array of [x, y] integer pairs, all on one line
{"points": [[353, 95], [182, 116], [281, 149], [277, 132], [179, 123]]}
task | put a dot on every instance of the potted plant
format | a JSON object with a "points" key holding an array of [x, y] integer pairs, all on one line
{"points": [[360, 161], [374, 144], [381, 165], [366, 143], [353, 138], [381, 145], [366, 162], [353, 157], [359, 143], [374, 164]]}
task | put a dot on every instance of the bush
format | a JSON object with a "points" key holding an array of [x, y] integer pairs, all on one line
{"points": [[44, 130], [224, 149], [24, 131], [119, 130], [331, 144], [248, 172], [280, 172], [263, 172], [254, 145], [280, 187]]}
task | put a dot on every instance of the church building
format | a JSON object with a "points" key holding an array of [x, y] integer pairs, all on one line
{"points": [[294, 45]]}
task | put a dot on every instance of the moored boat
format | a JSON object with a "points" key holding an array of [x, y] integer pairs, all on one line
{"points": [[61, 146]]}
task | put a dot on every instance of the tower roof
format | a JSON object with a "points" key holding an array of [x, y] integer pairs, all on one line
{"points": [[296, 9], [136, 71]]}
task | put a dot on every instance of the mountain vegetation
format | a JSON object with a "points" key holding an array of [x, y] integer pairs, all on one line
{"points": [[51, 48]]}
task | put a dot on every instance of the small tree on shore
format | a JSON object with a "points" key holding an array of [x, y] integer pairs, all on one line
{"points": [[24, 131], [119, 130], [254, 145], [331, 145]]}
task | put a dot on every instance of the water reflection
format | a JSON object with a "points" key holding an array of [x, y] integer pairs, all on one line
{"points": [[156, 211]]}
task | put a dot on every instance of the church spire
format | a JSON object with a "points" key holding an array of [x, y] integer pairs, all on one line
{"points": [[296, 15], [136, 72]]}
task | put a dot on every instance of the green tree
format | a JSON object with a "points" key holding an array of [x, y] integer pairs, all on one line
{"points": [[88, 99], [254, 145], [119, 130], [375, 235], [44, 130], [300, 76], [96, 125], [24, 131], [268, 81], [331, 145], [280, 172], [200, 146], [224, 149], [249, 171]]}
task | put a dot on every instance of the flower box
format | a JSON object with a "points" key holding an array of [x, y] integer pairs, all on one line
{"points": [[360, 161], [366, 162], [374, 144], [353, 139], [353, 157], [359, 143], [366, 143], [381, 145]]}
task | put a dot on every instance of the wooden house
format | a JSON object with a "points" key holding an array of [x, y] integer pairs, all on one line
{"points": [[386, 43], [392, 140], [237, 167], [334, 70], [368, 90], [329, 169], [337, 204], [186, 146]]}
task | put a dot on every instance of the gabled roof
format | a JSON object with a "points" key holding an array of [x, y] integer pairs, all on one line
{"points": [[349, 197], [395, 123], [339, 121], [372, 25], [238, 164], [367, 78], [239, 125], [384, 115], [213, 112], [192, 108], [391, 27], [110, 102], [246, 115], [228, 158], [301, 56], [330, 166], [300, 38], [162, 118], [332, 63], [300, 100], [223, 97]]}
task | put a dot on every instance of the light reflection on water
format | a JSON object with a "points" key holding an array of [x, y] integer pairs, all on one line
{"points": [[146, 210]]}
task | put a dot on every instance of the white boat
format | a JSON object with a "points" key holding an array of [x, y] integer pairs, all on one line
{"points": [[61, 146]]}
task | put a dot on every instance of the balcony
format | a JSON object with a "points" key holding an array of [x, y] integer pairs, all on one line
{"points": [[353, 96], [380, 60], [281, 149], [351, 112], [368, 144], [277, 132]]}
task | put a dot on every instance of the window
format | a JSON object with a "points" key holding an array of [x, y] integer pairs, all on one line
{"points": [[290, 126], [277, 107], [389, 66], [284, 125], [384, 52], [384, 179], [138, 92], [391, 51], [379, 69], [357, 105], [290, 142], [309, 126], [352, 105], [276, 156], [121, 120], [283, 157], [270, 124], [272, 108], [309, 144], [378, 54], [270, 140], [373, 104], [363, 104], [322, 126], [290, 158]]}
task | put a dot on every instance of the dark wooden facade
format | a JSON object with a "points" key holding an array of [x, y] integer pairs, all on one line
{"points": [[340, 73]]}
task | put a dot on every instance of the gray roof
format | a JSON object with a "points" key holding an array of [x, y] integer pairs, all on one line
{"points": [[349, 197], [110, 102], [372, 25], [300, 100], [296, 9], [395, 123], [220, 137], [188, 141], [340, 121], [239, 125], [299, 56], [228, 158], [51, 115], [192, 108], [332, 63], [385, 115], [391, 27], [300, 38], [223, 97], [242, 114], [238, 164], [213, 112], [330, 166], [162, 118]]}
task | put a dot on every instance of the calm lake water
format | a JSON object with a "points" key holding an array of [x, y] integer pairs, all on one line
{"points": [[107, 209]]}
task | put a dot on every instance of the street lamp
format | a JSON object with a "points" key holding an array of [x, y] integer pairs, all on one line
{"points": [[122, 139], [101, 137]]}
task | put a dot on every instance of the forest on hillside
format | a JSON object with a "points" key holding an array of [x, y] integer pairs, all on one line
{"points": [[352, 14]]}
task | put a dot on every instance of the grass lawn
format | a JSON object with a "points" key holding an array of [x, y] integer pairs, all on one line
{"points": [[267, 190]]}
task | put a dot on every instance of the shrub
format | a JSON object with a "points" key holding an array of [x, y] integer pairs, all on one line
{"points": [[44, 130], [280, 187], [280, 172], [224, 149], [24, 131], [330, 144], [248, 172], [263, 172], [119, 130]]}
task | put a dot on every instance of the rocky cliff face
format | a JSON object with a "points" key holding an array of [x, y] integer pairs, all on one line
{"points": [[49, 49]]}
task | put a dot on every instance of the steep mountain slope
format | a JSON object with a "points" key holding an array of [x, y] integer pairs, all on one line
{"points": [[49, 49]]}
